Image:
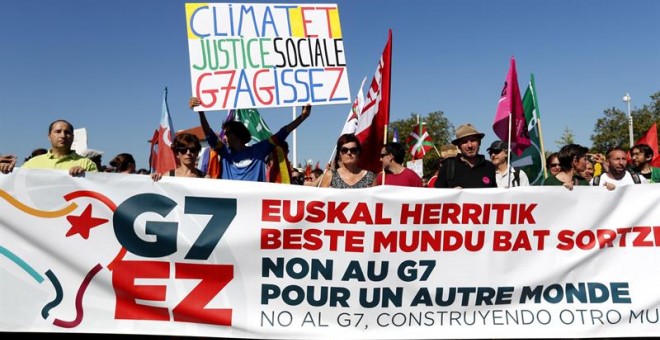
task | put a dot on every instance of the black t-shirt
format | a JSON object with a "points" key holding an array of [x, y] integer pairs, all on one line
{"points": [[482, 175]]}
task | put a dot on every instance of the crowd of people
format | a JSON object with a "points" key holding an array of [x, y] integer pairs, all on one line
{"points": [[459, 166]]}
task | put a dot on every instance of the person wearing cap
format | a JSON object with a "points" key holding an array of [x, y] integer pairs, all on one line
{"points": [[469, 169], [61, 156], [505, 175], [95, 156]]}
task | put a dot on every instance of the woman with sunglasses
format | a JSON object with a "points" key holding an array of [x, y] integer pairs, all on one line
{"points": [[346, 173], [552, 164], [186, 147]]}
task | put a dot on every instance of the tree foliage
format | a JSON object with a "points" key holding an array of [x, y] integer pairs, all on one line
{"points": [[612, 130], [567, 137], [439, 128]]}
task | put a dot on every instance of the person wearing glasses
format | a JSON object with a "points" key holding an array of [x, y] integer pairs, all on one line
{"points": [[186, 147], [552, 164], [573, 160], [392, 157], [505, 175], [241, 161], [346, 173], [641, 157]]}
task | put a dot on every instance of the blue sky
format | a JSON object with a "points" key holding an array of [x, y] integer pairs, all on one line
{"points": [[103, 65]]}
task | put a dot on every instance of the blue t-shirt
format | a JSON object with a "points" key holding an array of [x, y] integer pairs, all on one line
{"points": [[248, 164]]}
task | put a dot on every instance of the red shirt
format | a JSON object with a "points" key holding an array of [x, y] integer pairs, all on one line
{"points": [[406, 178]]}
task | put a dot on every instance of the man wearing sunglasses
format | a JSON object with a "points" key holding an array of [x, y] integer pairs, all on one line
{"points": [[505, 175], [392, 156]]}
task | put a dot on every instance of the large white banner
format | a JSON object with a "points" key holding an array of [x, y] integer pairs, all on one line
{"points": [[266, 55], [116, 253]]}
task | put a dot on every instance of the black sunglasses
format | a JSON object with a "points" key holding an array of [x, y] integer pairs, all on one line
{"points": [[354, 150], [183, 151]]}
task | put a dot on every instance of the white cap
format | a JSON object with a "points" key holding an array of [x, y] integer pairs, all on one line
{"points": [[91, 153]]}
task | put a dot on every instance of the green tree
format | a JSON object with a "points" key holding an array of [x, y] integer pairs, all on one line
{"points": [[438, 127], [566, 138], [612, 130]]}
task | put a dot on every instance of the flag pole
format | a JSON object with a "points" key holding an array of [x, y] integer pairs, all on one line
{"points": [[384, 142], [389, 81], [295, 138], [330, 161], [508, 152]]}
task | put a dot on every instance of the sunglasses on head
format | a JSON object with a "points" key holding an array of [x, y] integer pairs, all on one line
{"points": [[183, 151], [354, 150]]}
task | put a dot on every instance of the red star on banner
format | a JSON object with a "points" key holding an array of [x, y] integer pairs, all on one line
{"points": [[83, 223]]}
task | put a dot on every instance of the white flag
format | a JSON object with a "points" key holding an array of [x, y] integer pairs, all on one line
{"points": [[352, 120]]}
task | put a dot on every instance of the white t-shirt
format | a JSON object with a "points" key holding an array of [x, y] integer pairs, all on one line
{"points": [[502, 179], [627, 179]]}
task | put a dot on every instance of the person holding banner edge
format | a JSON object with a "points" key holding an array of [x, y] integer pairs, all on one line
{"points": [[60, 156]]}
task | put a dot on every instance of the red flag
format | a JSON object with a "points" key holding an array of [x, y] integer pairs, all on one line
{"points": [[650, 138], [153, 156], [318, 165], [376, 113], [420, 141], [510, 107], [308, 170], [164, 160]]}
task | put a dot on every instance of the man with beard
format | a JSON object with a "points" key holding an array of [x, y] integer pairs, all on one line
{"points": [[642, 156], [617, 174], [468, 169]]}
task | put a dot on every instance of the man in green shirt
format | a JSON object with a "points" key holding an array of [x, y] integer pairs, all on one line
{"points": [[60, 156]]}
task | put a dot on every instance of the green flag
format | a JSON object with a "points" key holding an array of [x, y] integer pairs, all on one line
{"points": [[253, 121], [532, 159]]}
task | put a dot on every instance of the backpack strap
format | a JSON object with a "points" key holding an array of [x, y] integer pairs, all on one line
{"points": [[451, 171], [516, 178], [635, 176]]}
